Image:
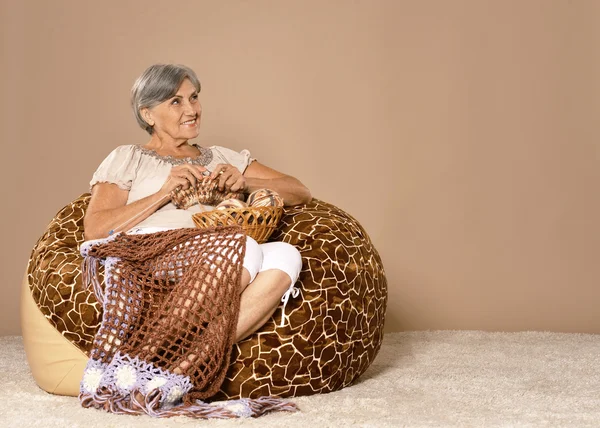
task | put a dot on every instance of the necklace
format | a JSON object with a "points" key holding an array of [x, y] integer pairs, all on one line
{"points": [[205, 157]]}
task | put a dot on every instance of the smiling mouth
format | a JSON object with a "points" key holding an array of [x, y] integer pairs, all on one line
{"points": [[189, 122]]}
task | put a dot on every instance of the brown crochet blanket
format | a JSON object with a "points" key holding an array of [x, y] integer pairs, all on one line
{"points": [[171, 302]]}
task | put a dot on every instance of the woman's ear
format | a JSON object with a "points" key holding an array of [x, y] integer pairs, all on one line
{"points": [[147, 116]]}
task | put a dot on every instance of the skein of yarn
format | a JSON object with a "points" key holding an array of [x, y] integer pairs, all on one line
{"points": [[264, 198]]}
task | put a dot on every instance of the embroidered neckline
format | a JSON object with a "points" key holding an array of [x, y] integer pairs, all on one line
{"points": [[205, 157]]}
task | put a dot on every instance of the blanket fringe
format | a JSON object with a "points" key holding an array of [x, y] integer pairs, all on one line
{"points": [[89, 272], [137, 404], [263, 405]]}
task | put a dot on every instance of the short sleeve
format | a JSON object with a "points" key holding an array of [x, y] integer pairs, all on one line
{"points": [[240, 160], [118, 168]]}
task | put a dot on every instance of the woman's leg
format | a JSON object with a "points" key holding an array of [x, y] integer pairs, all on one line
{"points": [[262, 286], [280, 269], [251, 265], [253, 260]]}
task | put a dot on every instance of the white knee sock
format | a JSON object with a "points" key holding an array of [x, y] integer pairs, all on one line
{"points": [[285, 257], [253, 259]]}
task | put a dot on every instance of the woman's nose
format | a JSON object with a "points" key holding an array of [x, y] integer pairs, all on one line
{"points": [[189, 108]]}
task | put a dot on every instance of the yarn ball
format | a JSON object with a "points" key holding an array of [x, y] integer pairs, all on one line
{"points": [[231, 203], [264, 198]]}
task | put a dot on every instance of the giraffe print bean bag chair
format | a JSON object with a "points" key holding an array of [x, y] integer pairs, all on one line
{"points": [[332, 333]]}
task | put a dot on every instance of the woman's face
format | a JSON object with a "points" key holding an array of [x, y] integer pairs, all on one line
{"points": [[179, 116]]}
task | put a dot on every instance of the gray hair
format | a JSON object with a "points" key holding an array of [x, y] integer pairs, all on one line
{"points": [[157, 84]]}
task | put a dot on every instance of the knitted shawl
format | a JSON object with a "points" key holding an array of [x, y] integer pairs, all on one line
{"points": [[170, 309]]}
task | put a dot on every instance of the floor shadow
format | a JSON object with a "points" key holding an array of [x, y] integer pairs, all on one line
{"points": [[395, 352]]}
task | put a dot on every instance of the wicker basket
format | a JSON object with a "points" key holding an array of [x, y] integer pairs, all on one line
{"points": [[258, 222]]}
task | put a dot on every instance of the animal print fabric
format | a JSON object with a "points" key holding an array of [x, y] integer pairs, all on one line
{"points": [[333, 329]]}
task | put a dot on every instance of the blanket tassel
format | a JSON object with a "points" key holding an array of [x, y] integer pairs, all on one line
{"points": [[136, 404], [89, 272]]}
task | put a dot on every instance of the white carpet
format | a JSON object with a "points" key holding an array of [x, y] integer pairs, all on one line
{"points": [[420, 379]]}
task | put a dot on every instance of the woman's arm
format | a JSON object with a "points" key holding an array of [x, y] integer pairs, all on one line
{"points": [[108, 209], [259, 176]]}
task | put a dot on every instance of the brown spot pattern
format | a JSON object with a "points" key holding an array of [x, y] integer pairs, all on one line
{"points": [[333, 329]]}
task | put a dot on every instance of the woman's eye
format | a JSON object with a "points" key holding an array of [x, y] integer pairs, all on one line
{"points": [[175, 101], [195, 97]]}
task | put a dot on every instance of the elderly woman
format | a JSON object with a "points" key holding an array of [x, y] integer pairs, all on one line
{"points": [[131, 189]]}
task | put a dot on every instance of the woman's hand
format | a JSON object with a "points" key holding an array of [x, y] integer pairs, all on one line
{"points": [[183, 176], [230, 178]]}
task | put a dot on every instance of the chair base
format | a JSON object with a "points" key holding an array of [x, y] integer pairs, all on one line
{"points": [[56, 364]]}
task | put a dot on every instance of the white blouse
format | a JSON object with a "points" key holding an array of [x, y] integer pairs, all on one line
{"points": [[142, 172]]}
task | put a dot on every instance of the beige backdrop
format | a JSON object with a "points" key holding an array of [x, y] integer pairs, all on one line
{"points": [[462, 134]]}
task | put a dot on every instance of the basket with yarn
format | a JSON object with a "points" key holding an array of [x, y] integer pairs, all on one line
{"points": [[258, 216]]}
